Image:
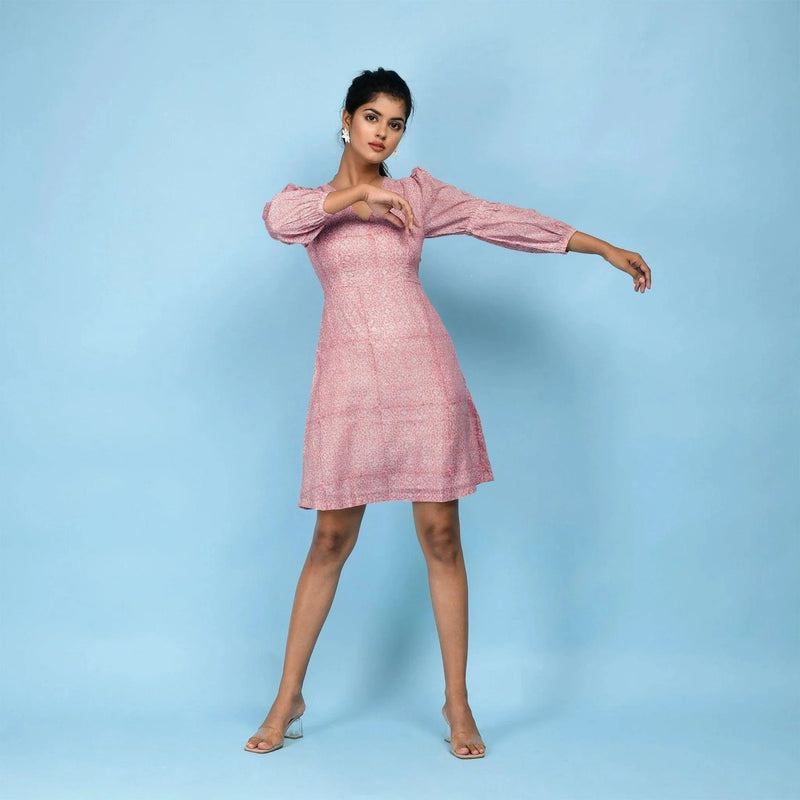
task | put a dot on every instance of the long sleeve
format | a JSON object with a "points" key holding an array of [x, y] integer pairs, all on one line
{"points": [[447, 210], [295, 214]]}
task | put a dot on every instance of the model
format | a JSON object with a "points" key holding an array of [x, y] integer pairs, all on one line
{"points": [[390, 416]]}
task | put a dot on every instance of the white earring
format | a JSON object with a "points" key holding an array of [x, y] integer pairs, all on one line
{"points": [[345, 135]]}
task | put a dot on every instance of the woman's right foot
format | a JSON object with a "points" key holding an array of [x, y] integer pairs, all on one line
{"points": [[465, 741], [270, 733]]}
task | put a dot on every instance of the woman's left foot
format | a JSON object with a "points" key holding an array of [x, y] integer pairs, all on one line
{"points": [[465, 740]]}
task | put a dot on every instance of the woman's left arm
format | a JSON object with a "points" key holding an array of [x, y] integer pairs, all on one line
{"points": [[626, 260], [447, 210]]}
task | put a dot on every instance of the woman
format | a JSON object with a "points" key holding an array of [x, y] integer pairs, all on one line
{"points": [[390, 416]]}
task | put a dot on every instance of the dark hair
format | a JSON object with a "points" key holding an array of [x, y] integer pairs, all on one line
{"points": [[370, 83]]}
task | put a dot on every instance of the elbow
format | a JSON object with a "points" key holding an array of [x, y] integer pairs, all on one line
{"points": [[271, 222]]}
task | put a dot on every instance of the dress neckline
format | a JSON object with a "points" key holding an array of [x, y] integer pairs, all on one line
{"points": [[382, 186]]}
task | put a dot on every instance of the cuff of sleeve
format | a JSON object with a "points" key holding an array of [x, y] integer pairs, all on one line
{"points": [[322, 212], [568, 231]]}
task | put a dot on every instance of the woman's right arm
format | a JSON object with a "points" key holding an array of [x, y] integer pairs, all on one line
{"points": [[339, 199], [380, 202], [296, 214]]}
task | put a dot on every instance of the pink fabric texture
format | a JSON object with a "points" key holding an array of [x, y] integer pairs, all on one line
{"points": [[390, 416]]}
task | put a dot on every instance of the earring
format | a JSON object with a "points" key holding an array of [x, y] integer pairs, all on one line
{"points": [[345, 134]]}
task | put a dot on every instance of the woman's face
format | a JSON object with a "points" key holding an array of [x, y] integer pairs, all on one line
{"points": [[380, 120]]}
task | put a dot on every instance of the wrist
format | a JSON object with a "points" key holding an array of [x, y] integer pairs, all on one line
{"points": [[606, 249]]}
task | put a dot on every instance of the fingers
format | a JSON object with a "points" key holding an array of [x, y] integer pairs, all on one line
{"points": [[409, 219], [394, 219], [646, 270], [394, 200], [642, 278], [408, 213]]}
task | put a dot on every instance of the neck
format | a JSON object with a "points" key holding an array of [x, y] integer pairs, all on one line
{"points": [[351, 173]]}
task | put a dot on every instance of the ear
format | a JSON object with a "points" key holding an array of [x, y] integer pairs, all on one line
{"points": [[346, 119]]}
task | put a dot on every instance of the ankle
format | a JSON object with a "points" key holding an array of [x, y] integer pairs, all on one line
{"points": [[455, 699], [291, 694]]}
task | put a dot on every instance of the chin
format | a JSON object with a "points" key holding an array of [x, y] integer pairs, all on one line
{"points": [[378, 156]]}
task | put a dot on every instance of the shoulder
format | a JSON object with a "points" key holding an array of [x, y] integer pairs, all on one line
{"points": [[303, 187], [426, 181], [429, 188], [422, 180], [294, 192], [420, 175], [294, 187]]}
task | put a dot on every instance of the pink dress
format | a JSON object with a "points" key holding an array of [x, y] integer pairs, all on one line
{"points": [[390, 416]]}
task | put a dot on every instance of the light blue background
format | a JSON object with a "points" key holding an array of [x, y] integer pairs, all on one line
{"points": [[633, 567]]}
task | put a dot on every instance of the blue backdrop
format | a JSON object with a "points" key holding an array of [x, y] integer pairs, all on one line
{"points": [[634, 564]]}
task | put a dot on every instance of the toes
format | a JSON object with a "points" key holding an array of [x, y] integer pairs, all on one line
{"points": [[470, 749], [259, 743]]}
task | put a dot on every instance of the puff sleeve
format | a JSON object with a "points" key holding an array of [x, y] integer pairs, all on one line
{"points": [[447, 210], [295, 214]]}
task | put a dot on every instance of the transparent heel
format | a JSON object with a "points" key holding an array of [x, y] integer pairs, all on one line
{"points": [[295, 729]]}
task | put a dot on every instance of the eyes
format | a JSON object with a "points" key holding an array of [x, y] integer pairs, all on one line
{"points": [[394, 125]]}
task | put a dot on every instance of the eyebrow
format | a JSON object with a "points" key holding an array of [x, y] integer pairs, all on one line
{"points": [[380, 115]]}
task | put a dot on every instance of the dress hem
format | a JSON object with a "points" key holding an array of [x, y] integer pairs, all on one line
{"points": [[411, 495]]}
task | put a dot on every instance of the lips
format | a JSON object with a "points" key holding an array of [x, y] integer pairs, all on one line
{"points": [[377, 146]]}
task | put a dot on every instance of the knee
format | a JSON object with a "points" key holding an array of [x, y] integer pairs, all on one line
{"points": [[441, 541], [331, 544]]}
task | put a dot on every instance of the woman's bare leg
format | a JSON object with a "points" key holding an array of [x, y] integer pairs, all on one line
{"points": [[439, 535], [335, 535]]}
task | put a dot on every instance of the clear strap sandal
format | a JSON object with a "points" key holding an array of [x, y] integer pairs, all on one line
{"points": [[294, 730]]}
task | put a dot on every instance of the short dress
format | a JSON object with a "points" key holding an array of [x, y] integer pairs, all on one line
{"points": [[389, 415]]}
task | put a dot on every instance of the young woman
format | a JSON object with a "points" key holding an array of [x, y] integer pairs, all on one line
{"points": [[390, 416]]}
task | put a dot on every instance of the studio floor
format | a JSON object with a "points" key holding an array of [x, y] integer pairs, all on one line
{"points": [[725, 750]]}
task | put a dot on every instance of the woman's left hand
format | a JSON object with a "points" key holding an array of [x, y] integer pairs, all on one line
{"points": [[632, 263]]}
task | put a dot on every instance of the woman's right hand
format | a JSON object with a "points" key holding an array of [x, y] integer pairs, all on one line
{"points": [[382, 201]]}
